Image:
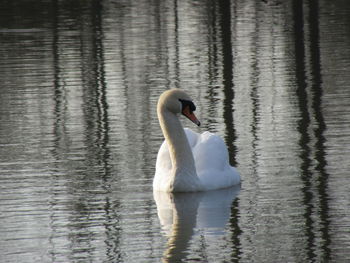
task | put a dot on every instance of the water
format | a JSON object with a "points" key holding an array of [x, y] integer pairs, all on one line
{"points": [[79, 135]]}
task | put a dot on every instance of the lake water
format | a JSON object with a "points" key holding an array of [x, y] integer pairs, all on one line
{"points": [[79, 135]]}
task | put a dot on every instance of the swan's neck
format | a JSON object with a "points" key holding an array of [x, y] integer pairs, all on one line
{"points": [[180, 151]]}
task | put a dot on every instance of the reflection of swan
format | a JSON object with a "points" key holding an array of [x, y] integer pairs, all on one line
{"points": [[181, 214], [188, 161]]}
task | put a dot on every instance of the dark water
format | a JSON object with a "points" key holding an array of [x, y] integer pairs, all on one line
{"points": [[79, 82]]}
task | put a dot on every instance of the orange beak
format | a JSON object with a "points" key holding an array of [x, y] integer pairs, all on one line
{"points": [[190, 115]]}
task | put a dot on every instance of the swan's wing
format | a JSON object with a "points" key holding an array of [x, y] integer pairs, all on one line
{"points": [[210, 153], [212, 162], [209, 150]]}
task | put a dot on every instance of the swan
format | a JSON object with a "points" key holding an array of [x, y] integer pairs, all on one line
{"points": [[188, 161]]}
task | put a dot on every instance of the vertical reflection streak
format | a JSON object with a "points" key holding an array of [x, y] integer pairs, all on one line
{"points": [[321, 127], [57, 111], [101, 100], [59, 130], [225, 11], [254, 92], [227, 56], [113, 231], [303, 124], [311, 101], [59, 92], [212, 63], [176, 45]]}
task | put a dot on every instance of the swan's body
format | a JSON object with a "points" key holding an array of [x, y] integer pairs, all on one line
{"points": [[188, 161]]}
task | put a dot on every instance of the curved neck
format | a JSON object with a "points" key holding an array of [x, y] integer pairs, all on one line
{"points": [[180, 151]]}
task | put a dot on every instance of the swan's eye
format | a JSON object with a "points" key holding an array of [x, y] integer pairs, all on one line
{"points": [[188, 103]]}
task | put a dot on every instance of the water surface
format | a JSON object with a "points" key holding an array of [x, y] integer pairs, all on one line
{"points": [[79, 83]]}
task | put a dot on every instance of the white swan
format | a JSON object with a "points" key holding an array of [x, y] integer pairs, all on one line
{"points": [[188, 161]]}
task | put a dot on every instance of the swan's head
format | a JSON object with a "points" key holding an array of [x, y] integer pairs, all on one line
{"points": [[177, 101]]}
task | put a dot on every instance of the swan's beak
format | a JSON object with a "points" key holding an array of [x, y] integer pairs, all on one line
{"points": [[190, 115]]}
